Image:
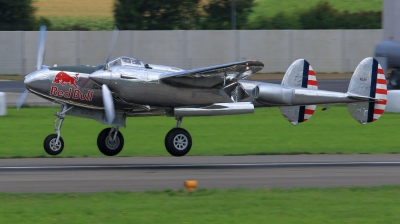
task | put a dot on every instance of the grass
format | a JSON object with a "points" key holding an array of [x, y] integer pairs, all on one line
{"points": [[98, 14], [74, 8], [266, 132], [269, 8], [329, 205]]}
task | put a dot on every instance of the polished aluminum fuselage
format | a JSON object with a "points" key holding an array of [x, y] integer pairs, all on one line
{"points": [[131, 87]]}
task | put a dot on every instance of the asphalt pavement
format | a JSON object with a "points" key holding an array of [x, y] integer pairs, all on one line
{"points": [[48, 175]]}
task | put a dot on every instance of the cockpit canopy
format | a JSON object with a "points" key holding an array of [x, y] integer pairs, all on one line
{"points": [[126, 61]]}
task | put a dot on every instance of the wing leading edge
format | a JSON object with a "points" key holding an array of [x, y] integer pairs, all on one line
{"points": [[218, 75]]}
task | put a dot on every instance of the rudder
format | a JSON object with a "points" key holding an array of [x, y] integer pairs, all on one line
{"points": [[369, 81], [299, 74]]}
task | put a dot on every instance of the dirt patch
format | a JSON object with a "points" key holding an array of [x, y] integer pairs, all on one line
{"points": [[12, 77]]}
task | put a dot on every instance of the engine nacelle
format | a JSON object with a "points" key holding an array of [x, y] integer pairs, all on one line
{"points": [[273, 94]]}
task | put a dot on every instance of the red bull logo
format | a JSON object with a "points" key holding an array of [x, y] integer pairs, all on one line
{"points": [[76, 94], [63, 78]]}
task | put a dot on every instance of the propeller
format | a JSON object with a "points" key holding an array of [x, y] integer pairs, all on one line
{"points": [[108, 101], [40, 55], [113, 40], [108, 104], [21, 99], [41, 47]]}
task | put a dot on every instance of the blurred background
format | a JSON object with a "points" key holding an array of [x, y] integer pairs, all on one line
{"points": [[334, 36]]}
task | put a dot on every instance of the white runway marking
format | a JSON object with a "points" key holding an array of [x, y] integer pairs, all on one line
{"points": [[201, 166]]}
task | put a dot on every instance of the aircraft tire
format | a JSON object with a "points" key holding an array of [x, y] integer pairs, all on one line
{"points": [[178, 142], [107, 146], [50, 147]]}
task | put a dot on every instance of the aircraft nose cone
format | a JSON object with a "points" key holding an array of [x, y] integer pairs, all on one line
{"points": [[101, 77], [38, 81]]}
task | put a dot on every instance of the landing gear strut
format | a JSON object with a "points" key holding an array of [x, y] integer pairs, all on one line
{"points": [[178, 141], [54, 144], [110, 141]]}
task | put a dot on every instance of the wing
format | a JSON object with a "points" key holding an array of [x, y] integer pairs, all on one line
{"points": [[213, 76]]}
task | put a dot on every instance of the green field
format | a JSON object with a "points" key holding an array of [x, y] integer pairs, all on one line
{"points": [[98, 15], [265, 132], [269, 8], [329, 205]]}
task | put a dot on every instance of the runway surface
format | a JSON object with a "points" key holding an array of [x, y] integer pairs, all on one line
{"points": [[45, 175]]}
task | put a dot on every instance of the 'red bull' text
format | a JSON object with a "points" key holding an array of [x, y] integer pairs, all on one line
{"points": [[75, 94]]}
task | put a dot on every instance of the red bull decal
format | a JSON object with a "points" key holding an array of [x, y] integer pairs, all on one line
{"points": [[63, 78], [76, 94]]}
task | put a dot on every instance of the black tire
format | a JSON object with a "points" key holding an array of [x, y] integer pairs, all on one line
{"points": [[50, 147], [107, 146], [178, 142]]}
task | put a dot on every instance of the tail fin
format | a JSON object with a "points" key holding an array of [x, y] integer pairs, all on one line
{"points": [[299, 74], [368, 82]]}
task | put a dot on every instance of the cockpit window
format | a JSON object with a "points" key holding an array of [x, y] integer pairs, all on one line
{"points": [[131, 62], [136, 62], [125, 61], [115, 62]]}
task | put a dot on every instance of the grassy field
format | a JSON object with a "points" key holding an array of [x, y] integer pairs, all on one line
{"points": [[265, 132], [269, 8], [99, 14], [329, 205], [74, 8]]}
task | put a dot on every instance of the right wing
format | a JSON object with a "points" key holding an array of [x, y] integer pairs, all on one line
{"points": [[218, 75]]}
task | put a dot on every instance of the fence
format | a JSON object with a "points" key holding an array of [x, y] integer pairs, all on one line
{"points": [[326, 50]]}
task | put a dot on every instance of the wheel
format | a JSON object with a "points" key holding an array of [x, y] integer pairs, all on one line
{"points": [[50, 145], [106, 145], [178, 142]]}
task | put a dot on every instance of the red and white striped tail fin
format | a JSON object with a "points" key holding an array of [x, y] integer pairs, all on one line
{"points": [[299, 74], [369, 81], [380, 93]]}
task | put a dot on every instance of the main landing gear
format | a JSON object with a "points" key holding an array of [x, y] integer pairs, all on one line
{"points": [[110, 141], [178, 141]]}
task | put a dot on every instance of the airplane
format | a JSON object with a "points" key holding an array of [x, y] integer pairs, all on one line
{"points": [[125, 87]]}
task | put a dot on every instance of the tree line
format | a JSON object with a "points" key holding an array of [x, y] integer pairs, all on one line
{"points": [[197, 15]]}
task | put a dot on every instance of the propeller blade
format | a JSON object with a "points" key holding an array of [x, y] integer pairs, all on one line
{"points": [[21, 99], [108, 104], [40, 55], [113, 40], [41, 47]]}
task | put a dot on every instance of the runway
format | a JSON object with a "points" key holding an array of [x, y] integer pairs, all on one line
{"points": [[51, 175]]}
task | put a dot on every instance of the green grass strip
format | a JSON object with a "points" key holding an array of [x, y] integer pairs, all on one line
{"points": [[265, 132], [312, 205]]}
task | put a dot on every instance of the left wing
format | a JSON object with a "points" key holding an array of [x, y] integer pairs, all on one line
{"points": [[218, 75]]}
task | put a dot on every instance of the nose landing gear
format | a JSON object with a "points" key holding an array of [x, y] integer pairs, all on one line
{"points": [[54, 144], [178, 141]]}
